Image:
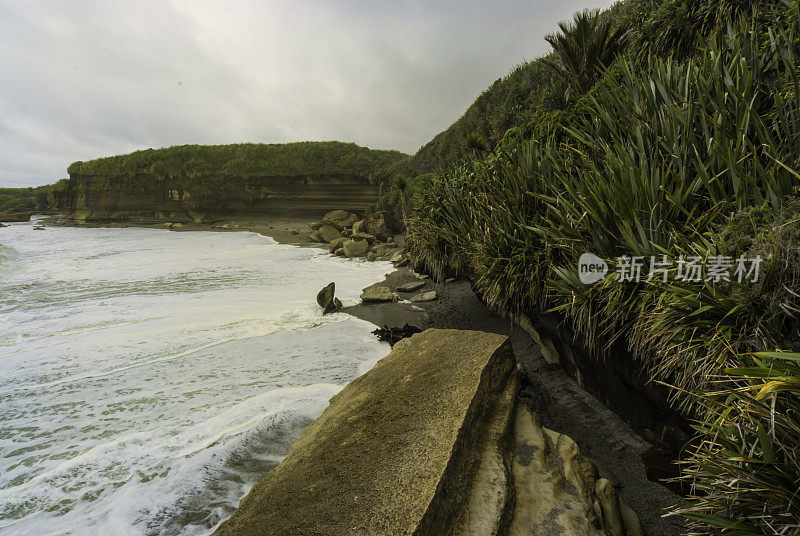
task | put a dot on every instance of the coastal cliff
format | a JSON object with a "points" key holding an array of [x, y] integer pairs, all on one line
{"points": [[202, 183]]}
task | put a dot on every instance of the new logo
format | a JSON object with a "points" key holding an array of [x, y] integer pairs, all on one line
{"points": [[591, 268]]}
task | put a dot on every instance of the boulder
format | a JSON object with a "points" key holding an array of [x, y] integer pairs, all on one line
{"points": [[355, 248], [378, 225], [340, 219], [314, 236], [400, 258], [326, 299], [411, 287], [336, 244], [176, 225], [390, 455], [314, 226], [377, 294], [3, 225], [382, 249], [424, 297], [371, 256], [363, 236], [329, 233], [360, 226]]}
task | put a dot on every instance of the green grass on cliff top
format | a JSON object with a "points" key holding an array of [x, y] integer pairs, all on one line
{"points": [[244, 160]]}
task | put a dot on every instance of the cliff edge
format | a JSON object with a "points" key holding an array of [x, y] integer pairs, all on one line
{"points": [[207, 182]]}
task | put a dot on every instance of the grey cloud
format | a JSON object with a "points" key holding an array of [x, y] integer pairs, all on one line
{"points": [[84, 79]]}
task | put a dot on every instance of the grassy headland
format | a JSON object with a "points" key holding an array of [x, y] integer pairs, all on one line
{"points": [[242, 161]]}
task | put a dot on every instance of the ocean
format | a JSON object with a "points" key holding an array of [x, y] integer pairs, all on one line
{"points": [[149, 378]]}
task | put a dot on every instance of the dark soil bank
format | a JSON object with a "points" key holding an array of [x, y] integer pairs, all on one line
{"points": [[562, 405]]}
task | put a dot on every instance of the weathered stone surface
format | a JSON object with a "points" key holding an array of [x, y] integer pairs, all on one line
{"points": [[424, 297], [382, 248], [557, 490], [363, 236], [360, 226], [400, 258], [392, 456], [544, 504], [314, 236], [609, 505], [336, 244], [340, 219], [411, 287], [329, 233], [371, 256], [377, 224], [487, 511], [377, 294], [315, 225], [355, 248]]}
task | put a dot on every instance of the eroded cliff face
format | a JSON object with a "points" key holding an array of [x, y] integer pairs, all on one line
{"points": [[184, 199]]}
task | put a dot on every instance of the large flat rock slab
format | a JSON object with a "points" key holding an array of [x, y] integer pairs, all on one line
{"points": [[395, 452]]}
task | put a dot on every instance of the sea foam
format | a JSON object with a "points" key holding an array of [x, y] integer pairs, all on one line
{"points": [[149, 378]]}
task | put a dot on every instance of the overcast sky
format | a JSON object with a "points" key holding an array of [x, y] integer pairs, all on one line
{"points": [[82, 79]]}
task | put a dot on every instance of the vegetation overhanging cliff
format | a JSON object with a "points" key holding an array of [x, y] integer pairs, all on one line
{"points": [[686, 146]]}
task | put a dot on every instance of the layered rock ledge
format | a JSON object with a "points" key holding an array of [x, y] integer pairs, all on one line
{"points": [[431, 441]]}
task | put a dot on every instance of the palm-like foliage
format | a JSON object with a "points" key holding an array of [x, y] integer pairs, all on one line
{"points": [[655, 160], [746, 472], [583, 48]]}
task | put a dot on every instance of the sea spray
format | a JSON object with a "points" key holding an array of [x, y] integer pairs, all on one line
{"points": [[149, 378]]}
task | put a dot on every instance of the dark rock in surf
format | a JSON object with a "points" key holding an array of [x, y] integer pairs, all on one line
{"points": [[326, 299]]}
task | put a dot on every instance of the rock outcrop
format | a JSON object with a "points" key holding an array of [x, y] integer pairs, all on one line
{"points": [[355, 248], [377, 294], [329, 233], [428, 296], [411, 287], [16, 217], [327, 300], [432, 441], [340, 219]]}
